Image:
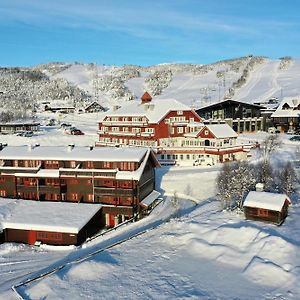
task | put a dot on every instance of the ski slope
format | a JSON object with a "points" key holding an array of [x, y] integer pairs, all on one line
{"points": [[266, 80]]}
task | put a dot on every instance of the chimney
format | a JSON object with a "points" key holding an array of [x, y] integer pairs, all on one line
{"points": [[146, 98], [91, 147], [70, 147], [259, 187]]}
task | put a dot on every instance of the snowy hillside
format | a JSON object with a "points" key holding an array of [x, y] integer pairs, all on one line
{"points": [[249, 79]]}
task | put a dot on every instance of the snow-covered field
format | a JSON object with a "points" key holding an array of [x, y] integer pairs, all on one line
{"points": [[197, 252]]}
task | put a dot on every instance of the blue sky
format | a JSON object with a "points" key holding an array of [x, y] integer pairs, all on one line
{"points": [[146, 32]]}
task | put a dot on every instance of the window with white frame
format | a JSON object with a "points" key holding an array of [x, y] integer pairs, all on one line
{"points": [[179, 112], [179, 129], [149, 130]]}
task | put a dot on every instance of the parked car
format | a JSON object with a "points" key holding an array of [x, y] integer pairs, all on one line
{"points": [[65, 125], [25, 133], [295, 138], [69, 130], [28, 133], [77, 132], [273, 130]]}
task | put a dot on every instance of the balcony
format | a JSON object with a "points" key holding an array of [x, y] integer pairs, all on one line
{"points": [[26, 188], [55, 189], [114, 191], [88, 172], [125, 123], [122, 133]]}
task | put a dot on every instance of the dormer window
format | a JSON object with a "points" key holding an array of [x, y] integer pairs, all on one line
{"points": [[179, 112]]}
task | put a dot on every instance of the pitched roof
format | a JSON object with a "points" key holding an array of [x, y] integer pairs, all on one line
{"points": [[154, 111], [220, 131], [231, 101], [146, 97], [266, 200], [292, 112]]}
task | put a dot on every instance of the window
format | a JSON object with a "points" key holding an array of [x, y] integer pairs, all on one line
{"points": [[262, 212], [90, 164], [179, 112], [46, 236], [72, 164], [106, 164], [74, 196], [191, 120], [51, 164], [89, 181], [149, 130], [2, 193], [206, 132], [90, 197], [179, 129]]}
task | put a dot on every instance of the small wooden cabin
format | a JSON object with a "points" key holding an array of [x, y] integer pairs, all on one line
{"points": [[10, 128], [94, 107], [265, 206], [52, 223]]}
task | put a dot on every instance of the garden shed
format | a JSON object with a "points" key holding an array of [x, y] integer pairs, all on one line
{"points": [[266, 206]]}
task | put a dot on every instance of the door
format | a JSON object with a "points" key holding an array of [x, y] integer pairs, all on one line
{"points": [[31, 237]]}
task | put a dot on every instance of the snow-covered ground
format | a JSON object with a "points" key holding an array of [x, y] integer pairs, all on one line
{"points": [[199, 252], [204, 253]]}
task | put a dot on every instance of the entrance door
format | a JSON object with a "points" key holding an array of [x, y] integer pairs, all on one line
{"points": [[110, 220], [31, 237]]}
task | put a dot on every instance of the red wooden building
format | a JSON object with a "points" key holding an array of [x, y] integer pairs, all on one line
{"points": [[117, 178], [145, 123], [51, 223], [173, 129], [265, 206]]}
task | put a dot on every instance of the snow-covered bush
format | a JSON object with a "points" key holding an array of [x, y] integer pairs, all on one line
{"points": [[285, 62]]}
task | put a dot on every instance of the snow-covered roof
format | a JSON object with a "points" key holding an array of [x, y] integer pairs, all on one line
{"points": [[49, 216], [136, 175], [292, 112], [286, 113], [77, 153], [20, 123], [221, 130], [266, 200], [43, 173], [154, 110], [150, 198]]}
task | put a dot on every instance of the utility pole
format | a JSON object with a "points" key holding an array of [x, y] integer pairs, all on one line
{"points": [[96, 83]]}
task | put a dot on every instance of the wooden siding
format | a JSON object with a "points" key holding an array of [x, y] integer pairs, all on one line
{"points": [[258, 214]]}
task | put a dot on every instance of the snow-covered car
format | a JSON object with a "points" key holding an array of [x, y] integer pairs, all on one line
{"points": [[204, 161], [295, 138]]}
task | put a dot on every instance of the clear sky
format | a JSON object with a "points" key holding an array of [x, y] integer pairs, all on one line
{"points": [[146, 32]]}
